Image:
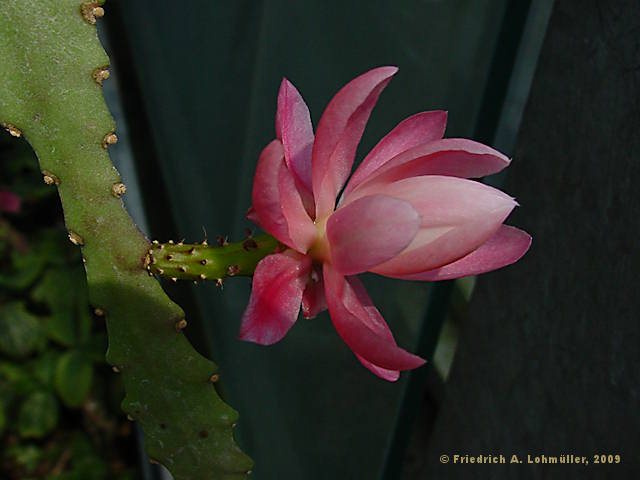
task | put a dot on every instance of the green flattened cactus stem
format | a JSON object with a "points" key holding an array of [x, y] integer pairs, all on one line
{"points": [[51, 70], [200, 261]]}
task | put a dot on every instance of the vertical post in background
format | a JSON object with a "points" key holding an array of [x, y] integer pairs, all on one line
{"points": [[548, 361]]}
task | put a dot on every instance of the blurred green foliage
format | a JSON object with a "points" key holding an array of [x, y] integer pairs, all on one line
{"points": [[59, 404]]}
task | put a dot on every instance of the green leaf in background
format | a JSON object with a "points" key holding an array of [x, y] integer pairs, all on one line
{"points": [[26, 179], [5, 234], [60, 327], [50, 247], [73, 377], [126, 476], [95, 347], [55, 290], [27, 267], [27, 456], [53, 244], [20, 331], [38, 415], [15, 380], [84, 320], [43, 368], [3, 416], [64, 292], [86, 464]]}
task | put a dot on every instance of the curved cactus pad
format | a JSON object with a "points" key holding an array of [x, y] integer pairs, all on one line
{"points": [[51, 73]]}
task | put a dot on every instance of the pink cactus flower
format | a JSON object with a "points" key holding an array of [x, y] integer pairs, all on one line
{"points": [[407, 212], [9, 202]]}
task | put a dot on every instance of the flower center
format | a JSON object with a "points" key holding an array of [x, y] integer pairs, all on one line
{"points": [[320, 251]]}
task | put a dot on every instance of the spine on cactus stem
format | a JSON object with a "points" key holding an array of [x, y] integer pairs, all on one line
{"points": [[201, 261], [51, 75]]}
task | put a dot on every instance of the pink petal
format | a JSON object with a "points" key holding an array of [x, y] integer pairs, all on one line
{"points": [[454, 157], [385, 374], [277, 206], [313, 299], [361, 326], [370, 231], [457, 216], [339, 132], [302, 231], [253, 216], [278, 283], [9, 202], [377, 323], [505, 247], [416, 130], [266, 195], [293, 126]]}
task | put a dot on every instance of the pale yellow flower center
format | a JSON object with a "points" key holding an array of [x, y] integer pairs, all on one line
{"points": [[320, 251]]}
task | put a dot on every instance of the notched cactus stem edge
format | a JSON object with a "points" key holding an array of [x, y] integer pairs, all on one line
{"points": [[56, 103]]}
